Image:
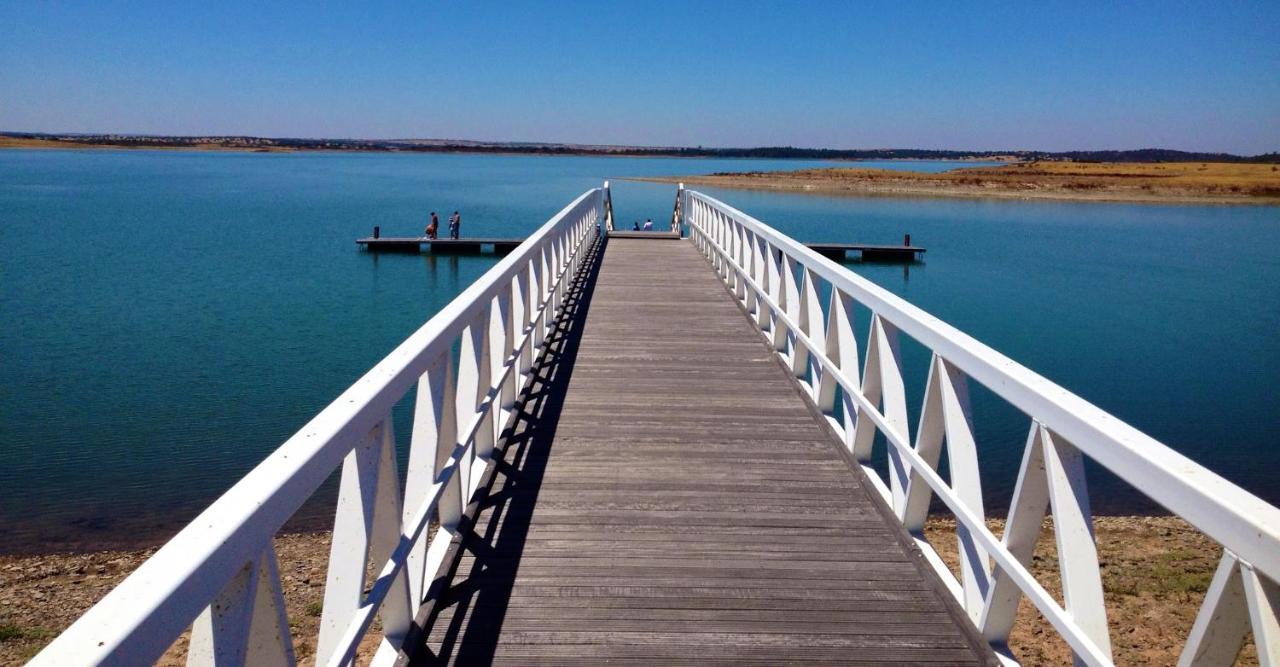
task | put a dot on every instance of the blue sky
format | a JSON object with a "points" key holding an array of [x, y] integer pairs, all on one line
{"points": [[1017, 75]]}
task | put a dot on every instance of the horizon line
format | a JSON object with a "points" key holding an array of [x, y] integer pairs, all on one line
{"points": [[462, 142]]}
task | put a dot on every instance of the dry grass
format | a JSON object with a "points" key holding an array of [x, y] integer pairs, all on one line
{"points": [[25, 142], [1155, 571], [41, 595], [1191, 182]]}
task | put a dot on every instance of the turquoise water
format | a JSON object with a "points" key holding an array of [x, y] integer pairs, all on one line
{"points": [[167, 319]]}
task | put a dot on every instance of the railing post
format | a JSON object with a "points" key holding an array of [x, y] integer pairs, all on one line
{"points": [[521, 303], [1239, 599], [556, 255], [740, 266], [246, 624], [760, 253], [798, 358], [945, 416], [882, 384], [434, 438], [778, 294], [842, 350], [475, 375], [502, 340], [811, 323], [1021, 532], [537, 292], [1073, 530], [678, 211], [607, 198], [366, 523]]}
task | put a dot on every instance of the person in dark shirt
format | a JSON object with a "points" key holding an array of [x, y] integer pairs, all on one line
{"points": [[433, 228]]}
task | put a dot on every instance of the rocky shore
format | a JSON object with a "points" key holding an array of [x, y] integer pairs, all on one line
{"points": [[1155, 571]]}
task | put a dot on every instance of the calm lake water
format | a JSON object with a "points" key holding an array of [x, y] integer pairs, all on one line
{"points": [[167, 319]]}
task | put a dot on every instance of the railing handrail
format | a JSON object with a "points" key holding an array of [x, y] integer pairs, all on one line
{"points": [[1246, 526], [140, 618], [1232, 516]]}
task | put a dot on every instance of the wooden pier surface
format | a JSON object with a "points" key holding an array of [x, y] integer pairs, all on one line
{"points": [[412, 244], [668, 497], [444, 245]]}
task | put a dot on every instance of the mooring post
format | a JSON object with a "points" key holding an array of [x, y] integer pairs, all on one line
{"points": [[377, 231]]}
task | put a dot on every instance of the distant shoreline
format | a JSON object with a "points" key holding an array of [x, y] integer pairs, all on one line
{"points": [[250, 144], [1149, 183], [281, 150], [265, 145]]}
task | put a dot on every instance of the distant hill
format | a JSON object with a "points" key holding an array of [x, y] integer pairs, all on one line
{"points": [[35, 139]]}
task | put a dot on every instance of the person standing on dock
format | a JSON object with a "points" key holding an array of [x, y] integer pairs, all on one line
{"points": [[455, 225], [433, 227]]}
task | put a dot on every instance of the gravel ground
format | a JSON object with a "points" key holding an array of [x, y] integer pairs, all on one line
{"points": [[42, 595], [1155, 571]]}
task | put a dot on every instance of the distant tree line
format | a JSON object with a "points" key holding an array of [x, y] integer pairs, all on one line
{"points": [[774, 152]]}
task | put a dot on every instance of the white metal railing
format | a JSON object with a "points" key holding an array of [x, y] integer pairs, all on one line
{"points": [[608, 208], [780, 283], [677, 213], [220, 571]]}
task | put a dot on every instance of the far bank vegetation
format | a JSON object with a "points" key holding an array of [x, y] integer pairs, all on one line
{"points": [[1189, 182]]}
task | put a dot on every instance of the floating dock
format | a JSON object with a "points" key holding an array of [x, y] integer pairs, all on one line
{"points": [[416, 244], [461, 246], [641, 234], [869, 253]]}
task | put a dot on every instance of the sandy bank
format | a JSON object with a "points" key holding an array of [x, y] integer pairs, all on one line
{"points": [[22, 142], [1182, 182], [1154, 569]]}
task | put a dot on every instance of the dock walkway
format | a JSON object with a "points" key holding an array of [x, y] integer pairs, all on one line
{"points": [[669, 497], [465, 245]]}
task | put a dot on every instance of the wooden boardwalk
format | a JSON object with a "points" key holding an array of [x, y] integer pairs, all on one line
{"points": [[668, 497]]}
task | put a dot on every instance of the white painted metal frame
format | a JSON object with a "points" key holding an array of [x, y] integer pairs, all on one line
{"points": [[779, 282], [219, 574]]}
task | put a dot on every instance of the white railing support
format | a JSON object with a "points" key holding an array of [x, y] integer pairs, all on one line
{"points": [[1238, 600], [365, 529], [218, 575], [1065, 429], [433, 424], [247, 623]]}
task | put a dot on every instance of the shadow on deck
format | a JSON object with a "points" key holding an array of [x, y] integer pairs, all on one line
{"points": [[666, 495], [466, 625]]}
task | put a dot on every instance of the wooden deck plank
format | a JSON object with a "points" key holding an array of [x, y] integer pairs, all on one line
{"points": [[670, 497]]}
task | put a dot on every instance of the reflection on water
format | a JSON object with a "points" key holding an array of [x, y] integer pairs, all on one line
{"points": [[854, 264], [450, 264]]}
